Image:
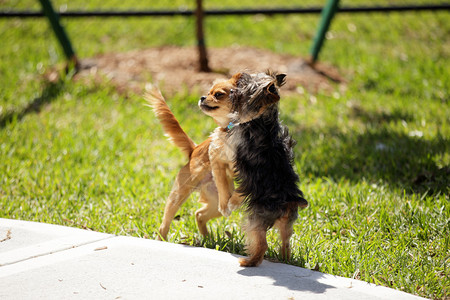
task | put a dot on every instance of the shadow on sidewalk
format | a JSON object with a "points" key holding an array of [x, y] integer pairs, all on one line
{"points": [[293, 278]]}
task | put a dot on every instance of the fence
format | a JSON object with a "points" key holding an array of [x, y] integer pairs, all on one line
{"points": [[328, 12]]}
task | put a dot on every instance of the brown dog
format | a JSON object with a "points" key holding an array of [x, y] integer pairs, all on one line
{"points": [[221, 155], [196, 174]]}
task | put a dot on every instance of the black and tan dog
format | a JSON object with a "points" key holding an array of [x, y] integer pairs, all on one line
{"points": [[196, 174], [254, 146], [263, 158]]}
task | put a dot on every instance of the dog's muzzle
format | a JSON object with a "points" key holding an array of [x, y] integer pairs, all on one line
{"points": [[200, 102], [204, 106]]}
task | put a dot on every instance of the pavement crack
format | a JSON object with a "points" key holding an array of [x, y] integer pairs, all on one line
{"points": [[45, 253]]}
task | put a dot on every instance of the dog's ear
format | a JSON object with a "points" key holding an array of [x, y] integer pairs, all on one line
{"points": [[272, 92], [281, 79], [236, 78]]}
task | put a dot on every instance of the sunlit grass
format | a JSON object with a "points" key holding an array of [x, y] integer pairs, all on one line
{"points": [[373, 157]]}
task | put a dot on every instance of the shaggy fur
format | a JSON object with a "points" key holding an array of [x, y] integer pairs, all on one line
{"points": [[263, 164]]}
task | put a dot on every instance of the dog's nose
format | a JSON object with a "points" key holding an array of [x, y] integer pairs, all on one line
{"points": [[203, 98]]}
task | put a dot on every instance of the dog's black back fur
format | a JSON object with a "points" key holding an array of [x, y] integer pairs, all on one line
{"points": [[263, 164]]}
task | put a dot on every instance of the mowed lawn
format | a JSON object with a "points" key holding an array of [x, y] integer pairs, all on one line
{"points": [[373, 157]]}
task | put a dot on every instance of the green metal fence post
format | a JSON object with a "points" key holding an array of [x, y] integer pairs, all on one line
{"points": [[326, 16], [60, 33]]}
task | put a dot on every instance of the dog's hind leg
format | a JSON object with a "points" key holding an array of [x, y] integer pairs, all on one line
{"points": [[207, 212], [285, 225], [210, 200], [286, 231], [182, 188], [256, 246]]}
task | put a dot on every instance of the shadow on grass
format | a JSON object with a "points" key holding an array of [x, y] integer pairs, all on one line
{"points": [[50, 92], [381, 154]]}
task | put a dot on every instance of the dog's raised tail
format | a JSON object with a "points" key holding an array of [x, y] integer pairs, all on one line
{"points": [[168, 121]]}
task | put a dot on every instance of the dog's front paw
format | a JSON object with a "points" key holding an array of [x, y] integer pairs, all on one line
{"points": [[232, 206], [225, 211], [235, 201]]}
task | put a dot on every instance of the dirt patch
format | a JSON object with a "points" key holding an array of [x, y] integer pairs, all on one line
{"points": [[175, 69]]}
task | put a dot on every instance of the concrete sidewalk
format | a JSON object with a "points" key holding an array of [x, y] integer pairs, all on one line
{"points": [[42, 261]]}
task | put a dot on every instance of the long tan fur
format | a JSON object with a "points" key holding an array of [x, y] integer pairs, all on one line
{"points": [[168, 121], [196, 174]]}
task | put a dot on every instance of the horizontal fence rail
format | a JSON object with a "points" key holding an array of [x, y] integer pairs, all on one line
{"points": [[226, 12]]}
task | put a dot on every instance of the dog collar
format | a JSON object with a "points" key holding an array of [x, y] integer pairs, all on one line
{"points": [[230, 126]]}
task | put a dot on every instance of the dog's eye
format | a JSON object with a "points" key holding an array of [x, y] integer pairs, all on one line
{"points": [[218, 94], [272, 89]]}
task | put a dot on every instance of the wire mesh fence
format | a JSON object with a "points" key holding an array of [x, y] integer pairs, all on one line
{"points": [[64, 5], [187, 8], [198, 9], [227, 23]]}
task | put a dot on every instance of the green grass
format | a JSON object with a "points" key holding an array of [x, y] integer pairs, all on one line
{"points": [[374, 158]]}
